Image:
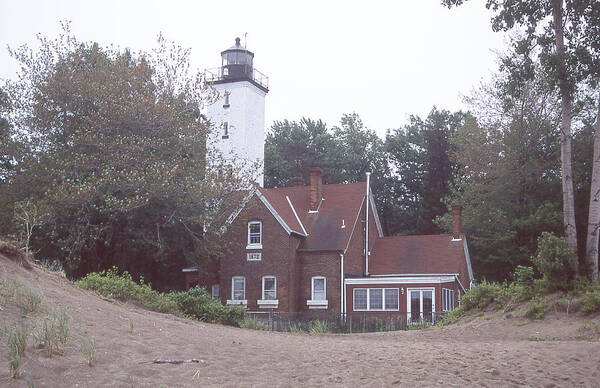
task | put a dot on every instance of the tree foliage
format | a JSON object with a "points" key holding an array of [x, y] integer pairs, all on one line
{"points": [[555, 259], [420, 154], [119, 156], [563, 39]]}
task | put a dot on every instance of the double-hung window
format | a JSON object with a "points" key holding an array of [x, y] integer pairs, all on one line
{"points": [[255, 234], [375, 299], [269, 293], [269, 288], [318, 293], [319, 288], [448, 299], [215, 291], [238, 290]]}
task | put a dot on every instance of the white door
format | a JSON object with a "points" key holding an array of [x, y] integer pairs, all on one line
{"points": [[420, 304]]}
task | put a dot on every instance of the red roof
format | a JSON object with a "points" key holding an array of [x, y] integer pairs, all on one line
{"points": [[416, 255], [324, 228]]}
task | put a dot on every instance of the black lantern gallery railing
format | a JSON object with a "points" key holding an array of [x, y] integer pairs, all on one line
{"points": [[237, 72]]}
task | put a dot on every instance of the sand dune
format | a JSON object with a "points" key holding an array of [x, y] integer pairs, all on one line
{"points": [[483, 352]]}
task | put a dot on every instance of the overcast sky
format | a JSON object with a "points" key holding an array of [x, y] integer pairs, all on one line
{"points": [[382, 60]]}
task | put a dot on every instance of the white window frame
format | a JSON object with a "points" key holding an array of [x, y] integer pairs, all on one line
{"points": [[354, 299], [264, 302], [447, 299], [383, 290], [215, 291], [274, 286], [397, 299], [317, 303], [243, 301], [255, 245]]}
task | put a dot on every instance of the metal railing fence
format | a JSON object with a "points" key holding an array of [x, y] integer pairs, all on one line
{"points": [[332, 322]]}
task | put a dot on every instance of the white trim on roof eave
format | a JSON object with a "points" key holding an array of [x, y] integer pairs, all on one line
{"points": [[416, 274], [468, 259], [237, 212], [375, 214], [296, 214], [402, 280], [354, 226], [273, 211]]}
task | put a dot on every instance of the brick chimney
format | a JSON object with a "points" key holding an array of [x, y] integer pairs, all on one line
{"points": [[456, 221], [316, 187], [298, 181]]}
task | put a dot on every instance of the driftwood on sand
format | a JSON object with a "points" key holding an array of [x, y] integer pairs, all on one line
{"points": [[159, 361]]}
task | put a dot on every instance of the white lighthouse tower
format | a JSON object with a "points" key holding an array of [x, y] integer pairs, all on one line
{"points": [[239, 112]]}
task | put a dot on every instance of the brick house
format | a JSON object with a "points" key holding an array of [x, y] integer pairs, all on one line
{"points": [[302, 248]]}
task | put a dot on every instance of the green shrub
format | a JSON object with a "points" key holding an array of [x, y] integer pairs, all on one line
{"points": [[482, 295], [590, 330], [318, 327], [194, 303], [555, 259], [523, 275], [451, 317], [111, 284], [536, 309], [590, 302], [253, 323], [199, 304]]}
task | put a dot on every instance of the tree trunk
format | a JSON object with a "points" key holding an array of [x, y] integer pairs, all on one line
{"points": [[565, 127], [594, 213]]}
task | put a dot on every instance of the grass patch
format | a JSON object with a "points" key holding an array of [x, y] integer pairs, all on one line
{"points": [[319, 327], [16, 343], [61, 326], [28, 300], [47, 337], [295, 328], [540, 339], [88, 349], [253, 323]]}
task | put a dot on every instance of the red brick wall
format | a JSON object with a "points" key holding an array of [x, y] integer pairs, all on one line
{"points": [[274, 261], [206, 276], [319, 264]]}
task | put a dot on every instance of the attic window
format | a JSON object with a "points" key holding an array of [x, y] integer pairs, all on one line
{"points": [[225, 128], [254, 235]]}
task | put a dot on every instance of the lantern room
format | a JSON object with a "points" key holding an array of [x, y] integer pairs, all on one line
{"points": [[236, 62]]}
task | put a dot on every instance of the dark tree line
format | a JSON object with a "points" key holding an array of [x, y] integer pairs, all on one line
{"points": [[411, 169]]}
